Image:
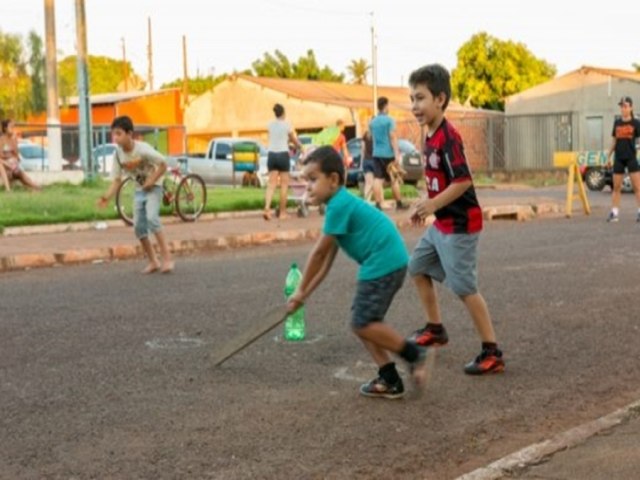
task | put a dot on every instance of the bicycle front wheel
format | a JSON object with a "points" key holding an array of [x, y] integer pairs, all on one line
{"points": [[191, 197], [124, 200]]}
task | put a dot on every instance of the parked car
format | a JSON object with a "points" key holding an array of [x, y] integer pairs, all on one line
{"points": [[411, 161], [215, 166], [33, 157], [596, 178], [104, 156]]}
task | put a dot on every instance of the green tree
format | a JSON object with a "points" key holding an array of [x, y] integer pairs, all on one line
{"points": [[307, 67], [490, 69], [37, 70], [358, 70], [637, 67], [198, 85], [105, 75], [15, 84]]}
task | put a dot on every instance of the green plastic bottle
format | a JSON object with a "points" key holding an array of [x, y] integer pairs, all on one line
{"points": [[294, 326]]}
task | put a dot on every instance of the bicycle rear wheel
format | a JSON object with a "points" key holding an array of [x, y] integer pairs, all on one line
{"points": [[191, 197], [124, 200]]}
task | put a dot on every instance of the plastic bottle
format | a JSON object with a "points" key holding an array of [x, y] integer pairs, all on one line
{"points": [[294, 326]]}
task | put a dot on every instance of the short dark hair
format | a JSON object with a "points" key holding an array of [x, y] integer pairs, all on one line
{"points": [[328, 160], [278, 110], [436, 78], [382, 102], [123, 122]]}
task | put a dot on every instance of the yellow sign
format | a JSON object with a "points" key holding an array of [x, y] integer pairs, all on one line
{"points": [[569, 160]]}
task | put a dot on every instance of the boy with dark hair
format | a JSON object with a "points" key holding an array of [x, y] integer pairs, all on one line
{"points": [[371, 239], [146, 166], [447, 251]]}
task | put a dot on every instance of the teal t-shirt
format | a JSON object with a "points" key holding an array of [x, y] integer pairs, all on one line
{"points": [[381, 127], [365, 234]]}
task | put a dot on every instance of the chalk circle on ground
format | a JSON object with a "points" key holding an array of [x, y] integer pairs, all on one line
{"points": [[308, 340], [174, 343]]}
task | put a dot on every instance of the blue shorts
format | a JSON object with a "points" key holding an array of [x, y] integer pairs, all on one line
{"points": [[373, 298], [447, 258], [369, 166], [146, 211]]}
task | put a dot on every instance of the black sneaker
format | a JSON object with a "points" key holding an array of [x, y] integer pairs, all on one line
{"points": [[379, 388], [427, 338], [401, 206], [489, 361]]}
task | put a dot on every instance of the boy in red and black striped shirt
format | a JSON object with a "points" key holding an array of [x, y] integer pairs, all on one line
{"points": [[447, 252]]}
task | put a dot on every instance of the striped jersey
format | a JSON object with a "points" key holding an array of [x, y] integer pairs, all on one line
{"points": [[446, 164]]}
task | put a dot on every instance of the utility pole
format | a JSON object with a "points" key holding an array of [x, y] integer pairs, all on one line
{"points": [[149, 55], [54, 134], [374, 65], [84, 106], [125, 70], [185, 77]]}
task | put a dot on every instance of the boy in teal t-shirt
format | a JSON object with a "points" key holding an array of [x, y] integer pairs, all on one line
{"points": [[373, 241]]}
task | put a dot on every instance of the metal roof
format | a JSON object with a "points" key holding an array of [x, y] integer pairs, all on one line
{"points": [[116, 97], [335, 93]]}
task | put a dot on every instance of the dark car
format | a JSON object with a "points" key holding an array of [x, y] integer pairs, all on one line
{"points": [[596, 178], [411, 161]]}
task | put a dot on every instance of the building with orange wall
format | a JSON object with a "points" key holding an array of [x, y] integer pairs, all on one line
{"points": [[158, 117]]}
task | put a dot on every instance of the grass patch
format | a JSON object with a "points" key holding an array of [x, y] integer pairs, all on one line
{"points": [[65, 203]]}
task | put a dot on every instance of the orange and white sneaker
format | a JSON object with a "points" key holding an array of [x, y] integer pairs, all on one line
{"points": [[425, 337], [489, 361]]}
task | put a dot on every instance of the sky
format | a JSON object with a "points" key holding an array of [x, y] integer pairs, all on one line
{"points": [[226, 36]]}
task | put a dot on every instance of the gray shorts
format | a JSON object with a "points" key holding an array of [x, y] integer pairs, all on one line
{"points": [[373, 298], [450, 258]]}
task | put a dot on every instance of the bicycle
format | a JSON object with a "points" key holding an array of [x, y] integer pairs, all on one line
{"points": [[185, 191]]}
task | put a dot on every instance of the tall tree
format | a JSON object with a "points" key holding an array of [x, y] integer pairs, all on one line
{"points": [[15, 84], [105, 75], [490, 69], [307, 67], [37, 70], [358, 69], [198, 85]]}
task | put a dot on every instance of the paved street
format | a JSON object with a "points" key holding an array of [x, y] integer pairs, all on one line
{"points": [[104, 373]]}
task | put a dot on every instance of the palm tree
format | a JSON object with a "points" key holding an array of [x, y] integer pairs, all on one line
{"points": [[358, 70]]}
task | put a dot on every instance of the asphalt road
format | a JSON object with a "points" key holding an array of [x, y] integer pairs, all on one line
{"points": [[105, 374]]}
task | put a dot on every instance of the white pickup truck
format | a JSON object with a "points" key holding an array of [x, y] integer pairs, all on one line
{"points": [[216, 165]]}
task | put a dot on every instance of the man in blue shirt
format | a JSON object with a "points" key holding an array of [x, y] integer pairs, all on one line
{"points": [[373, 241], [385, 152]]}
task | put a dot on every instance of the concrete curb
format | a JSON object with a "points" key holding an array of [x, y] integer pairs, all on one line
{"points": [[129, 251], [126, 252], [537, 452]]}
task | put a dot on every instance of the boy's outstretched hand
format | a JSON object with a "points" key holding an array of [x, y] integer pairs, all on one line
{"points": [[294, 303], [102, 202]]}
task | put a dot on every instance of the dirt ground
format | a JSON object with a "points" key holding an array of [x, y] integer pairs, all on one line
{"points": [[106, 376]]}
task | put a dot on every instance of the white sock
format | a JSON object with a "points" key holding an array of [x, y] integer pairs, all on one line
{"points": [[615, 211]]}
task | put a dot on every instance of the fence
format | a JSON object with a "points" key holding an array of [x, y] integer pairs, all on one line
{"points": [[495, 142], [167, 139]]}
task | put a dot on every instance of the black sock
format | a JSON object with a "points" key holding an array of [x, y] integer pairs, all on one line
{"points": [[435, 327], [409, 352], [389, 373], [490, 346]]}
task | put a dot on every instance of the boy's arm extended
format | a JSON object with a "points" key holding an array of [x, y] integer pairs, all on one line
{"points": [[103, 201], [318, 265], [427, 206]]}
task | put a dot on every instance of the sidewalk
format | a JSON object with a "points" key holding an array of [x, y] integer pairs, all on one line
{"points": [[49, 245], [605, 449]]}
